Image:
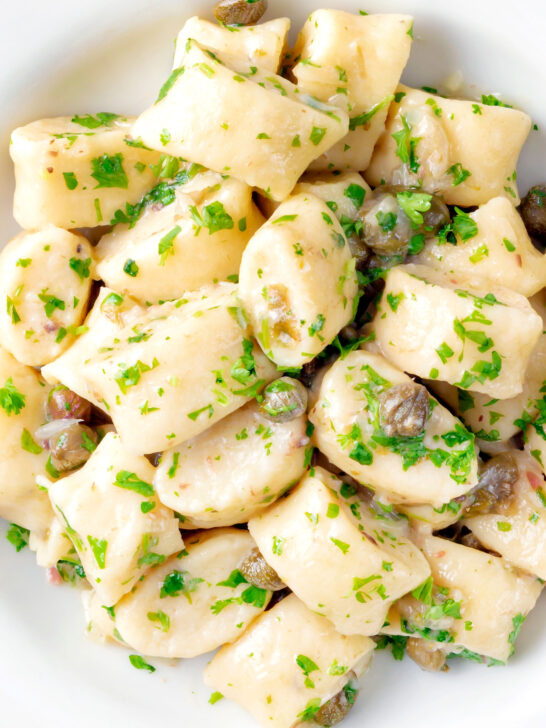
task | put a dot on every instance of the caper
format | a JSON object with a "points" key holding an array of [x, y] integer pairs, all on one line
{"points": [[360, 252], [64, 404], [240, 12], [533, 212], [257, 571], [404, 409], [388, 229], [72, 447], [425, 654], [496, 484], [284, 400], [339, 706]]}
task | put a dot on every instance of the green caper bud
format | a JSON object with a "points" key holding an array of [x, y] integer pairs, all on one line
{"points": [[72, 446], [240, 12], [496, 484], [284, 400], [337, 708], [257, 571], [396, 215], [425, 654], [404, 409], [64, 404], [533, 212]]}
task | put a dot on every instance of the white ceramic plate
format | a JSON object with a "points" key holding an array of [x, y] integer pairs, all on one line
{"points": [[66, 56]]}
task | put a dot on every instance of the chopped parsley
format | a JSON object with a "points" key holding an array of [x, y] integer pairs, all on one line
{"points": [[458, 173], [140, 663], [342, 546], [208, 408], [131, 481], [81, 267], [414, 204], [244, 368], [462, 225], [51, 303], [490, 100], [177, 583], [131, 268], [406, 145], [213, 217], [278, 544], [98, 547], [355, 193], [130, 376], [317, 135], [394, 300], [310, 710], [12, 311], [517, 623], [283, 218], [396, 643], [317, 325], [108, 171], [70, 180], [29, 444], [169, 83], [387, 220], [307, 666], [12, 400], [166, 244], [103, 118], [162, 619], [367, 116], [18, 536]]}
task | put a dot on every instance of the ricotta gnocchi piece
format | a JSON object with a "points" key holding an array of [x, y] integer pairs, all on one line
{"points": [[354, 62], [516, 526], [288, 664], [23, 395], [499, 252], [459, 330], [110, 313], [335, 556], [47, 278], [234, 470], [197, 240], [495, 421], [148, 374], [297, 281], [260, 45], [112, 515], [191, 603], [76, 172], [466, 151], [199, 116], [356, 427], [481, 605], [344, 193]]}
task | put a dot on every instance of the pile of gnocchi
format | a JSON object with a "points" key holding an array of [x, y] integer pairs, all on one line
{"points": [[273, 364]]}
